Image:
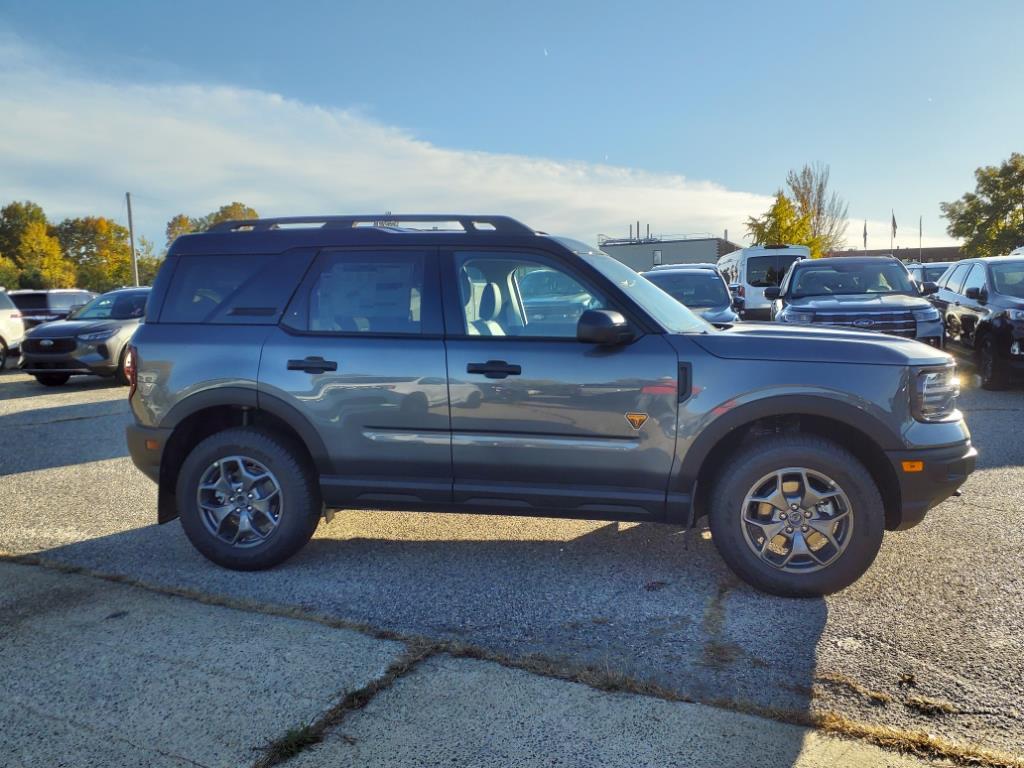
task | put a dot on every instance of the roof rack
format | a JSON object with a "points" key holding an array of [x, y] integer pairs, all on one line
{"points": [[390, 221]]}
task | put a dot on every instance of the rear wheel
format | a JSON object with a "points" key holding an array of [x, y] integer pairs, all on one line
{"points": [[797, 516], [247, 499], [121, 375], [3, 354], [52, 379], [990, 368]]}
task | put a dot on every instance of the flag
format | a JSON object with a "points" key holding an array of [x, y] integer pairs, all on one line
{"points": [[894, 224], [865, 234]]}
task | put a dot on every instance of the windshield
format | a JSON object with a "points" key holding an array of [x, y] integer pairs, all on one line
{"points": [[117, 306], [669, 313], [1008, 279], [765, 271], [694, 289], [846, 279]]}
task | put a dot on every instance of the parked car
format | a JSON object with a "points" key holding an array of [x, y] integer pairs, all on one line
{"points": [[928, 273], [870, 293], [262, 394], [982, 303], [93, 340], [12, 328], [702, 290], [44, 306], [750, 271]]}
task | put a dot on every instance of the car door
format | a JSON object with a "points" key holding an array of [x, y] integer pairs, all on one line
{"points": [[542, 423], [948, 301], [973, 309], [359, 354]]}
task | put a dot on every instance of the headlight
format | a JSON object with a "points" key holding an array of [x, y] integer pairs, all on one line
{"points": [[1015, 314], [97, 335], [929, 315], [934, 393], [792, 316]]}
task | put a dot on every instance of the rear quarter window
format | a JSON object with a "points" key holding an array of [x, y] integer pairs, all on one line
{"points": [[5, 301], [238, 289]]}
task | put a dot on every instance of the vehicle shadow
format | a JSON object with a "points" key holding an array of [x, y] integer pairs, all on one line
{"points": [[643, 601], [15, 385]]}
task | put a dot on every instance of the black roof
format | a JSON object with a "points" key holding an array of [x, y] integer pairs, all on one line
{"points": [[279, 234]]}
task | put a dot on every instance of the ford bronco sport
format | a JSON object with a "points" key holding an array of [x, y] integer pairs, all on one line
{"points": [[288, 367]]}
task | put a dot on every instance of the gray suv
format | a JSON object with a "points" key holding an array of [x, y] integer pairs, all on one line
{"points": [[289, 367]]}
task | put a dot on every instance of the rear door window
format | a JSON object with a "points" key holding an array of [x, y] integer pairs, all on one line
{"points": [[239, 289], [956, 278]]}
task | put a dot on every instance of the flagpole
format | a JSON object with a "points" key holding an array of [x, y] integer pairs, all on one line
{"points": [[920, 236]]}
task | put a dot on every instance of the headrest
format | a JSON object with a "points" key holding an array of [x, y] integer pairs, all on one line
{"points": [[490, 302]]}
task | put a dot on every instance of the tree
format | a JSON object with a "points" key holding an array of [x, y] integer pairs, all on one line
{"points": [[148, 262], [990, 220], [9, 273], [232, 212], [15, 218], [178, 226], [782, 223], [41, 260], [99, 249], [826, 210]]}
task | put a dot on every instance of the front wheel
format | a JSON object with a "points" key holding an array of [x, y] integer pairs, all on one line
{"points": [[990, 367], [247, 499], [797, 516], [3, 354]]}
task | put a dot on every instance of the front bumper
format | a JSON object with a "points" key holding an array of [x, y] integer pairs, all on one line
{"points": [[99, 359], [943, 471], [146, 447]]}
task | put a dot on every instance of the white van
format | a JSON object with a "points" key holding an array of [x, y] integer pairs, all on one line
{"points": [[749, 271]]}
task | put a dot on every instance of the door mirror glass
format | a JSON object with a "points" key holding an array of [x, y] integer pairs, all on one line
{"points": [[928, 288], [973, 293], [738, 302], [772, 292], [603, 326]]}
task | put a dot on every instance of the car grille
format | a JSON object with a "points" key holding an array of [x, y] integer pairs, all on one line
{"points": [[59, 346], [894, 323]]}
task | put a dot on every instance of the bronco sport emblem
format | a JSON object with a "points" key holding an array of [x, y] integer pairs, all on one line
{"points": [[636, 420]]}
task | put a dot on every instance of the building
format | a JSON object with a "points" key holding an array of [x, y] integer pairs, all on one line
{"points": [[642, 253], [907, 255]]}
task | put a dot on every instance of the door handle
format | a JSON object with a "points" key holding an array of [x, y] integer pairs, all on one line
{"points": [[312, 365], [494, 369]]}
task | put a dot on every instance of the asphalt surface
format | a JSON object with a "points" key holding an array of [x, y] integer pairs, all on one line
{"points": [[931, 639]]}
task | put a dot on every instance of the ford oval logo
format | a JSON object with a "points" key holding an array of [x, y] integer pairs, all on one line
{"points": [[46, 343], [863, 323]]}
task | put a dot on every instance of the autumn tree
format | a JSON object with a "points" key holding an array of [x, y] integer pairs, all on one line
{"points": [[782, 223], [178, 226], [15, 218], [183, 225], [990, 220], [148, 262], [824, 208], [41, 260], [99, 249], [9, 273]]}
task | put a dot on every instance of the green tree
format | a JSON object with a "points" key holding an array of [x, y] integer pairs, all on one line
{"points": [[15, 218], [232, 212], [149, 263], [783, 223], [825, 209], [41, 259], [9, 273], [990, 220], [98, 247]]}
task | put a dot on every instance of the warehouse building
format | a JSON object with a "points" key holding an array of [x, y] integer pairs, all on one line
{"points": [[642, 253]]}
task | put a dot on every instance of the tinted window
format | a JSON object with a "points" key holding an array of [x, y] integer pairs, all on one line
{"points": [[114, 306], [764, 271], [1008, 279], [956, 279], [30, 300], [931, 274], [976, 278], [376, 293], [694, 289], [237, 289]]}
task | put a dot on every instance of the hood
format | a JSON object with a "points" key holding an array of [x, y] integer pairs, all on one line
{"points": [[64, 328], [863, 302], [804, 343]]}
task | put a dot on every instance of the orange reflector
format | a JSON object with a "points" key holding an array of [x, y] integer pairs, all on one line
{"points": [[913, 466], [152, 445]]}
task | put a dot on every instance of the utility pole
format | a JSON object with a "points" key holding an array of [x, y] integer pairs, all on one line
{"points": [[131, 239]]}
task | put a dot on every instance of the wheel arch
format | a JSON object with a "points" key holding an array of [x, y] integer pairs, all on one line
{"points": [[206, 413], [861, 433]]}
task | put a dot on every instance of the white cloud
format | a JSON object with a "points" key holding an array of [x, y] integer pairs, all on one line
{"points": [[75, 144]]}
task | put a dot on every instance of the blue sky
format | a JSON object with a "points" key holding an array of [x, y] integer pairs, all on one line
{"points": [[903, 99]]}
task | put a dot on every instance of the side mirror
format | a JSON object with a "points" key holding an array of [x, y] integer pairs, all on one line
{"points": [[928, 288], [772, 292], [74, 310], [603, 326], [738, 302], [973, 293]]}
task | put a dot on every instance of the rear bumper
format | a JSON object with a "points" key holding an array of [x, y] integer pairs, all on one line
{"points": [[146, 447], [944, 471]]}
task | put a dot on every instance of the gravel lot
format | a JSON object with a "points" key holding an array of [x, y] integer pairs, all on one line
{"points": [[931, 639]]}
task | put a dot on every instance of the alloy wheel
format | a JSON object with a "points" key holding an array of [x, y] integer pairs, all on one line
{"points": [[240, 501]]}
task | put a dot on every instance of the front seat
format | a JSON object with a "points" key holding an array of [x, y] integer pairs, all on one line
{"points": [[486, 323]]}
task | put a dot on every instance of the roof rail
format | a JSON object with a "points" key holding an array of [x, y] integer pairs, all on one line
{"points": [[504, 224]]}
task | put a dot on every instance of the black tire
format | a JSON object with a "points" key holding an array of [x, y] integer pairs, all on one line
{"points": [[770, 454], [119, 375], [990, 366], [301, 507], [52, 379], [3, 354]]}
